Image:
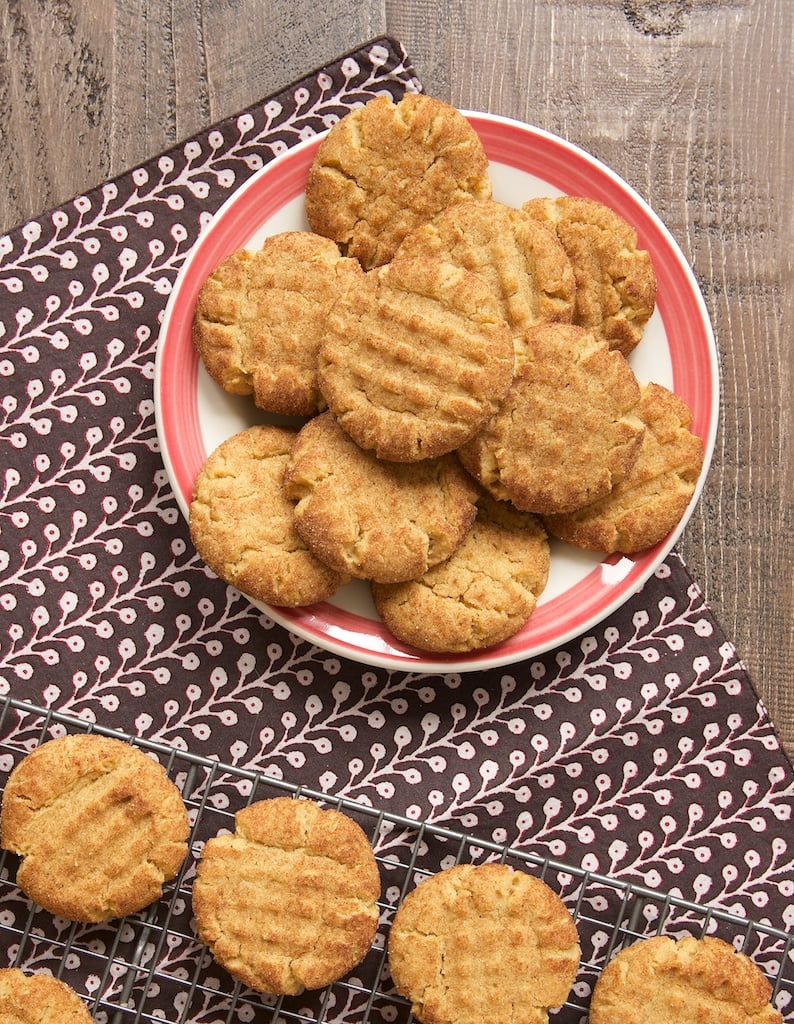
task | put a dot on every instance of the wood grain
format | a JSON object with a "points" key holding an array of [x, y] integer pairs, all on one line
{"points": [[688, 100]]}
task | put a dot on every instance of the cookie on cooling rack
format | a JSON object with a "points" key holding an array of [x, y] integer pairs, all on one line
{"points": [[289, 900], [482, 594], [653, 496], [98, 824], [39, 999], [689, 980], [386, 168], [520, 259], [241, 522], [483, 943], [615, 280], [415, 359], [567, 431], [371, 519], [260, 316]]}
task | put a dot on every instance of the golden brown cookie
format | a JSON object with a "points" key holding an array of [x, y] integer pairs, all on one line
{"points": [[477, 944], [386, 521], [289, 900], [650, 500], [39, 999], [241, 522], [567, 431], [615, 281], [415, 359], [98, 824], [689, 981], [260, 316], [482, 594], [388, 167], [526, 267]]}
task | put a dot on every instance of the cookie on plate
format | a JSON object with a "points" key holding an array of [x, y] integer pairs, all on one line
{"points": [[39, 999], [241, 521], [386, 168], [526, 267], [567, 432], [483, 943], [371, 519], [98, 824], [260, 316], [615, 280], [289, 899], [689, 980], [415, 359], [482, 594], [651, 499]]}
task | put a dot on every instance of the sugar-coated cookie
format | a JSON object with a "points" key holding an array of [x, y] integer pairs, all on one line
{"points": [[371, 519], [567, 432], [485, 943], [615, 280], [260, 316], [653, 496], [482, 594], [386, 168], [241, 521], [689, 981], [39, 999], [520, 259], [289, 899], [415, 359], [98, 824]]}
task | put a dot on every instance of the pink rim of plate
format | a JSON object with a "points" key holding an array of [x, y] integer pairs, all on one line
{"points": [[693, 358]]}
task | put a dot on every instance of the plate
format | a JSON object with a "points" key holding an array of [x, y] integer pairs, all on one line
{"points": [[194, 415]]}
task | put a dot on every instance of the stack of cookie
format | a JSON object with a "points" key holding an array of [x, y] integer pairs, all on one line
{"points": [[458, 370]]}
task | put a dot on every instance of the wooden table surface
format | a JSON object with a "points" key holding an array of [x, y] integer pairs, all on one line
{"points": [[689, 100]]}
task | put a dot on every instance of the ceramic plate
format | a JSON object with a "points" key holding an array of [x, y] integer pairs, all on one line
{"points": [[194, 415]]}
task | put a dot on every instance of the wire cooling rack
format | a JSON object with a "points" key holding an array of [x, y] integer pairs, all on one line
{"points": [[151, 966]]}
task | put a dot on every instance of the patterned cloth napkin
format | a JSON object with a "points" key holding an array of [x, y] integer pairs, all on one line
{"points": [[640, 749]]}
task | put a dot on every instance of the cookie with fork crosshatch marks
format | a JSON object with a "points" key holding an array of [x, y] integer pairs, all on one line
{"points": [[288, 900]]}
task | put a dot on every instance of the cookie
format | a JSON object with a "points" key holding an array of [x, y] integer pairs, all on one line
{"points": [[615, 281], [651, 499], [98, 824], [386, 521], [289, 900], [567, 431], [482, 594], [260, 316], [415, 359], [521, 260], [39, 999], [241, 522], [475, 944], [385, 168], [689, 981]]}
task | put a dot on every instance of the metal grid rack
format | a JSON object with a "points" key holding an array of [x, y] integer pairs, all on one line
{"points": [[152, 967]]}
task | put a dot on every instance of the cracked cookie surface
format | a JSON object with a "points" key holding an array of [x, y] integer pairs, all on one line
{"points": [[242, 523], [520, 259], [688, 980], [39, 999], [482, 594], [373, 519], [567, 430], [486, 943], [98, 824], [653, 496], [615, 280], [289, 899], [415, 359], [260, 317], [388, 167]]}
